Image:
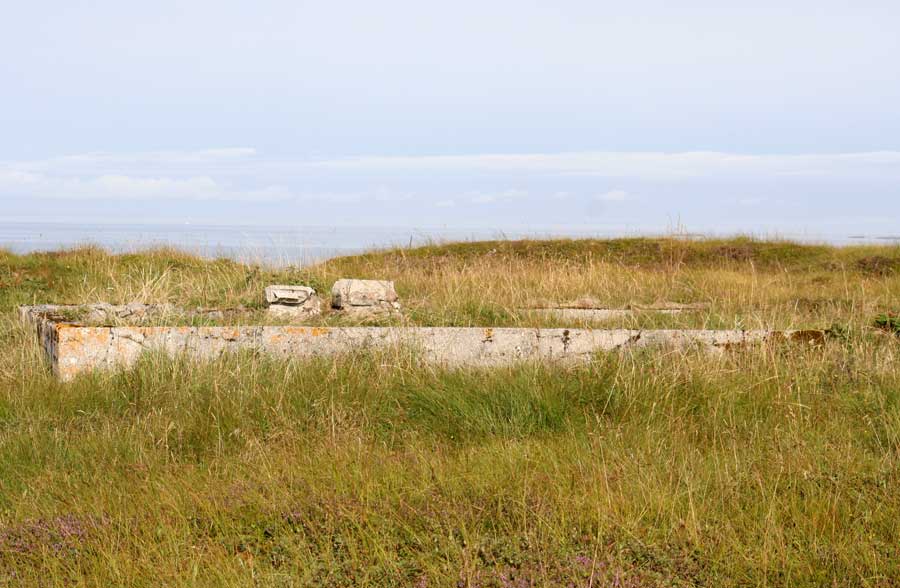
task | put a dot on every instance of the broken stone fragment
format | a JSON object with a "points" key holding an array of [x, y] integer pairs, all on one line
{"points": [[292, 302], [364, 296], [290, 295]]}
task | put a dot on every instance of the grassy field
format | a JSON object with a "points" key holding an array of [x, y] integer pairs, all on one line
{"points": [[778, 466]]}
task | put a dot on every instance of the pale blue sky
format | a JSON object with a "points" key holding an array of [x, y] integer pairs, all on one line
{"points": [[764, 116]]}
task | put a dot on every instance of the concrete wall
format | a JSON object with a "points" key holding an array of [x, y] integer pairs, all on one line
{"points": [[73, 349]]}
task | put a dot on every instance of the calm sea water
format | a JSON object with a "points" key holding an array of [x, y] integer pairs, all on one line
{"points": [[275, 245], [281, 245]]}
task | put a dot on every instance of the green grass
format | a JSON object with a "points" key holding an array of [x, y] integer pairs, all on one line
{"points": [[888, 322], [777, 466]]}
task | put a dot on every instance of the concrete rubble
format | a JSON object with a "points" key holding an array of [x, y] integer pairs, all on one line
{"points": [[292, 302], [364, 297]]}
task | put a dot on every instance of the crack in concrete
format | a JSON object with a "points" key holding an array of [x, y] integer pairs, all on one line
{"points": [[130, 337]]}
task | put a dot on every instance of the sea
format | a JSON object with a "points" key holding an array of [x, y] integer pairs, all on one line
{"points": [[302, 245]]}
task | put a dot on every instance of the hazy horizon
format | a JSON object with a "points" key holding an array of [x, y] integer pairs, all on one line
{"points": [[299, 245]]}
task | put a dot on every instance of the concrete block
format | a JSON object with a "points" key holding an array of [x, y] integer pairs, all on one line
{"points": [[289, 295], [364, 296], [292, 302]]}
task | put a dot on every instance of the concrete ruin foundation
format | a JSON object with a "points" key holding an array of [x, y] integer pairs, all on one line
{"points": [[73, 349]]}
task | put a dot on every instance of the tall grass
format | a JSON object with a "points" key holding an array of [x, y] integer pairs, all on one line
{"points": [[773, 466]]}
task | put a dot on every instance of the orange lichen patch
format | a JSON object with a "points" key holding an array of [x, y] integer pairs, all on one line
{"points": [[286, 331], [231, 334], [489, 334], [85, 335], [319, 331]]}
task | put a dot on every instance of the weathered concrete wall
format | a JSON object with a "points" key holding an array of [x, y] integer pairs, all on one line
{"points": [[586, 310], [46, 328], [73, 349], [596, 314]]}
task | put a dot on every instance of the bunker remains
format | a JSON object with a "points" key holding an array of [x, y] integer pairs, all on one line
{"points": [[73, 348]]}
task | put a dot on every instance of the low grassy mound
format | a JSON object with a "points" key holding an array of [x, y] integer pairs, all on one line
{"points": [[653, 252]]}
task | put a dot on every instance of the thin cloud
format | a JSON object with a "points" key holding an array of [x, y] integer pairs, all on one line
{"points": [[244, 174], [124, 187], [612, 196], [498, 196], [638, 165], [170, 157]]}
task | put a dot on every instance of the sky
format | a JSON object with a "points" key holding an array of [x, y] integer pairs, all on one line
{"points": [[754, 117]]}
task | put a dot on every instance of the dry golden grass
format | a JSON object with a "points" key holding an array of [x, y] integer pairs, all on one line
{"points": [[776, 466]]}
